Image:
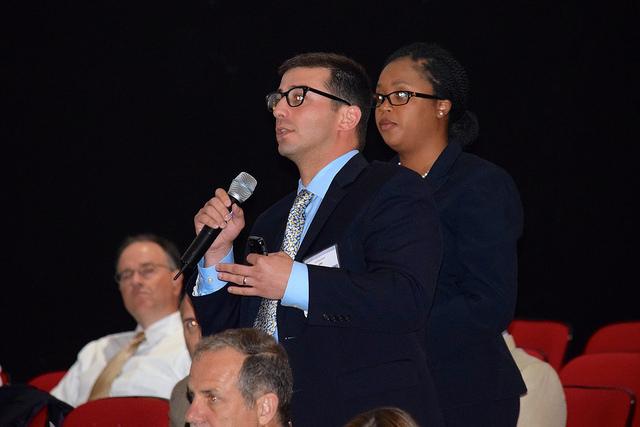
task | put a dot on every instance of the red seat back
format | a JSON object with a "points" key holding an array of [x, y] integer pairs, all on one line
{"points": [[599, 406], [536, 353], [131, 411], [47, 381], [40, 419], [5, 377], [547, 337], [620, 370], [623, 337]]}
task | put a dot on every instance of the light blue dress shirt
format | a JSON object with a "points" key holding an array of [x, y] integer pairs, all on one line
{"points": [[297, 292]]}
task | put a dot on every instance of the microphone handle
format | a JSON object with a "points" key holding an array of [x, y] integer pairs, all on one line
{"points": [[199, 245]]}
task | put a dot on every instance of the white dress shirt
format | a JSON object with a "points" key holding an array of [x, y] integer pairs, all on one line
{"points": [[544, 404], [157, 365]]}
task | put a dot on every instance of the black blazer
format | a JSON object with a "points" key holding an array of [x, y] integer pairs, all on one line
{"points": [[362, 344], [481, 220]]}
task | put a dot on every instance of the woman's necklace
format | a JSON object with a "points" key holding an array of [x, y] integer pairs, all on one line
{"points": [[424, 175]]}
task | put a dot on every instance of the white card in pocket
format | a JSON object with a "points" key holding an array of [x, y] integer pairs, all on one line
{"points": [[325, 258]]}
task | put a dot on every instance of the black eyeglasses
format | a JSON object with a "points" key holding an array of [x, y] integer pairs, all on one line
{"points": [[145, 270], [295, 96], [400, 97]]}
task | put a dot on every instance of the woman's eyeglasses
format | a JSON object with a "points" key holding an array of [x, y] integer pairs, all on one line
{"points": [[400, 97]]}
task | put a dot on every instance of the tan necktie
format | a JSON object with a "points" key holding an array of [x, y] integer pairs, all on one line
{"points": [[102, 386]]}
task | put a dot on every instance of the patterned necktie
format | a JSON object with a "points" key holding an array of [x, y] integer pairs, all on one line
{"points": [[102, 386], [266, 319]]}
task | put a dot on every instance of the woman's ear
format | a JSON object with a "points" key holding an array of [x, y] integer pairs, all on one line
{"points": [[443, 106]]}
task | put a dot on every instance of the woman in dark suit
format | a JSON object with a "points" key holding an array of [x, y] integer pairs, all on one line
{"points": [[421, 113]]}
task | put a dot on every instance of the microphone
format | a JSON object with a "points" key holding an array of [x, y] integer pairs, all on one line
{"points": [[240, 190]]}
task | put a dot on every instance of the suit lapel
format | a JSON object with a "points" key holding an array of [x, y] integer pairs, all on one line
{"points": [[337, 190]]}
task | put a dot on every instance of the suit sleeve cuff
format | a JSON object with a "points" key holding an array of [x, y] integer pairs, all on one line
{"points": [[207, 281]]}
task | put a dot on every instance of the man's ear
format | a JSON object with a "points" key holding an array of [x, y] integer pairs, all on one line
{"points": [[350, 117], [267, 408], [177, 285]]}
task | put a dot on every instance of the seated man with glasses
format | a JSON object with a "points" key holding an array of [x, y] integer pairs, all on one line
{"points": [[151, 359]]}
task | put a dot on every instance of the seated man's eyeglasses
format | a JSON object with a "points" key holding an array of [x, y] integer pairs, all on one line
{"points": [[295, 96], [400, 97], [145, 270]]}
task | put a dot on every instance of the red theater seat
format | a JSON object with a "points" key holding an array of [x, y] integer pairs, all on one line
{"points": [[598, 406], [549, 338], [132, 411], [619, 370], [622, 337], [47, 381]]}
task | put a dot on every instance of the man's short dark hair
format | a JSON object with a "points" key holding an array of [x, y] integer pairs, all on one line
{"points": [[348, 80], [167, 246], [265, 369]]}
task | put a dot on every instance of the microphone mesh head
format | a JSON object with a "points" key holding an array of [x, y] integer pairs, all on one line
{"points": [[242, 187]]}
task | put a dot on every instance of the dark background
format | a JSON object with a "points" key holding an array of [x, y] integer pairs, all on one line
{"points": [[125, 115]]}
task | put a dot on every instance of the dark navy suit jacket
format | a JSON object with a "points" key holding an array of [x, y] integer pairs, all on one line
{"points": [[481, 220], [363, 342]]}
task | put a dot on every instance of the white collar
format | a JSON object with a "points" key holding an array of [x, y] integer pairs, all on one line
{"points": [[161, 328]]}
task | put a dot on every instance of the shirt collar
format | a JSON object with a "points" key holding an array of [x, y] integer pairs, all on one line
{"points": [[320, 183], [511, 344], [159, 329]]}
